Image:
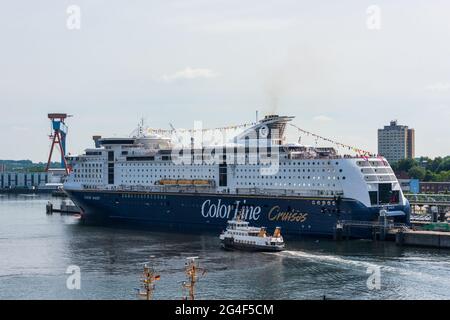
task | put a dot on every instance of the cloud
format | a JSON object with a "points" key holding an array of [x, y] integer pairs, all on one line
{"points": [[438, 87], [189, 74], [322, 118]]}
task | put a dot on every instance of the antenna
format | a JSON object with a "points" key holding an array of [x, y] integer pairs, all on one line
{"points": [[148, 279], [191, 270], [141, 128]]}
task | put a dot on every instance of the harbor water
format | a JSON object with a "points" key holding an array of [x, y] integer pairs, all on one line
{"points": [[36, 251]]}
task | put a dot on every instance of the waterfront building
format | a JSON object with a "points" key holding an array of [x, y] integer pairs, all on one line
{"points": [[434, 187], [396, 142], [10, 180], [409, 185]]}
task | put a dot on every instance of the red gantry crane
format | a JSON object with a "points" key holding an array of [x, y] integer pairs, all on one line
{"points": [[58, 137]]}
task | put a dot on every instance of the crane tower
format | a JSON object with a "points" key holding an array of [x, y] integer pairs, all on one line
{"points": [[58, 137]]}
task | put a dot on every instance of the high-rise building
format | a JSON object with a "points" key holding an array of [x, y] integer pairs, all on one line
{"points": [[396, 142]]}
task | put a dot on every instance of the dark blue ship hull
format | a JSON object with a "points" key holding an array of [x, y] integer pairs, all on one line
{"points": [[314, 216]]}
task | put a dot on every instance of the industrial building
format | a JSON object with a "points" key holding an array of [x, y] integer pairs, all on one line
{"points": [[10, 180]]}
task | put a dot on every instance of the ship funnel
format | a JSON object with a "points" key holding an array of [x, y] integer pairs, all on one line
{"points": [[272, 127], [262, 232], [96, 141], [277, 232]]}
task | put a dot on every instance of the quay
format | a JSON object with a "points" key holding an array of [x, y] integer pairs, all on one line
{"points": [[65, 208], [422, 238], [401, 234], [25, 191], [422, 234], [54, 192]]}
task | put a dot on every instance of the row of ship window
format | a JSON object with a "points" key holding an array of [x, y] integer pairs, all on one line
{"points": [[143, 164], [238, 177], [323, 202], [88, 176], [293, 170], [90, 180], [90, 165], [87, 170], [144, 196], [245, 241], [285, 184], [165, 170], [371, 163], [166, 176], [381, 170], [164, 197], [238, 233], [238, 170], [290, 177]]}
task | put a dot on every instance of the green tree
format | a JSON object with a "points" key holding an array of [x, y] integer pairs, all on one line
{"points": [[430, 176], [443, 176], [405, 165], [444, 165], [434, 164], [417, 172]]}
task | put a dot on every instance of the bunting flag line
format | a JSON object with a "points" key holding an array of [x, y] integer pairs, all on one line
{"points": [[365, 154], [361, 152], [234, 127]]}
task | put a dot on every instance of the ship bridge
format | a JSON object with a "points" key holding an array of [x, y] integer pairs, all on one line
{"points": [[272, 127]]}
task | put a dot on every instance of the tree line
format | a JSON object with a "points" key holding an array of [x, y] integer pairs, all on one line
{"points": [[26, 166], [425, 169]]}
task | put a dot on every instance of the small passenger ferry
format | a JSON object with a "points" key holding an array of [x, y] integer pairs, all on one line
{"points": [[240, 236]]}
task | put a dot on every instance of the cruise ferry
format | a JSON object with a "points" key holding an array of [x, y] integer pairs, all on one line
{"points": [[150, 180]]}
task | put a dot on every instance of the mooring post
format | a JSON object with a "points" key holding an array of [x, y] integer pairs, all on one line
{"points": [[399, 237], [384, 224], [49, 208], [338, 231]]}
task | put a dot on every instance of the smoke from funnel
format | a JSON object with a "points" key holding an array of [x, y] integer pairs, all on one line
{"points": [[300, 72], [274, 91]]}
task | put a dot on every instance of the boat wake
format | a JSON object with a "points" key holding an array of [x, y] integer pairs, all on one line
{"points": [[328, 258], [337, 260]]}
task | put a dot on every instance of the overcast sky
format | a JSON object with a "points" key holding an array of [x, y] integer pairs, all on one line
{"points": [[218, 61]]}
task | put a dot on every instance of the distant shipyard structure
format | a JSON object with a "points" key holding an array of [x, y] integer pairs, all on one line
{"points": [[58, 136], [396, 142], [52, 178]]}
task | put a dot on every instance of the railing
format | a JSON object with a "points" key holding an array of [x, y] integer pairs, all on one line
{"points": [[211, 190], [371, 224], [428, 199]]}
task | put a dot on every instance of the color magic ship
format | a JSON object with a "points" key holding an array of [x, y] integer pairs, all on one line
{"points": [[153, 180]]}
